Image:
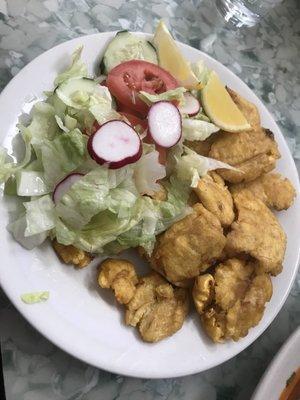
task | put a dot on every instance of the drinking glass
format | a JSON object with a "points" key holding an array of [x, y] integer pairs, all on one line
{"points": [[244, 12]]}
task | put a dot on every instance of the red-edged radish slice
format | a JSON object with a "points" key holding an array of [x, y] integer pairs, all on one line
{"points": [[191, 106], [115, 143], [164, 123], [63, 186]]}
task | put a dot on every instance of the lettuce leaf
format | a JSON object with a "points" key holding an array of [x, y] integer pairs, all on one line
{"points": [[147, 171], [99, 190], [201, 71], [17, 229], [77, 69], [202, 117], [195, 129], [31, 183], [62, 155], [191, 166], [40, 215], [35, 297], [43, 124], [169, 95], [7, 167], [129, 220]]}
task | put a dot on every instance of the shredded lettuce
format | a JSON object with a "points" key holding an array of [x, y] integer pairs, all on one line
{"points": [[147, 171], [202, 117], [86, 198], [40, 215], [121, 217], [106, 210], [43, 123], [191, 166], [169, 95], [62, 155], [195, 129], [7, 167], [77, 69], [86, 101], [31, 183], [17, 229], [35, 297], [156, 217], [201, 71]]}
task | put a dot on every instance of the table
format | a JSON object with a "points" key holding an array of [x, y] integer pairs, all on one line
{"points": [[266, 57]]}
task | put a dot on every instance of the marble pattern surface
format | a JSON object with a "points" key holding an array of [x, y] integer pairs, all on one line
{"points": [[266, 57]]}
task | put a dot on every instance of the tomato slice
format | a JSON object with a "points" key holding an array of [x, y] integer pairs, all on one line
{"points": [[122, 108], [127, 79], [134, 120], [162, 151]]}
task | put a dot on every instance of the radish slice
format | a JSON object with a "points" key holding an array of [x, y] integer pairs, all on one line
{"points": [[115, 143], [164, 122], [63, 186], [191, 106]]}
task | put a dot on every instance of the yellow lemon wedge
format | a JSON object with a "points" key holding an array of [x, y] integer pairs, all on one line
{"points": [[171, 59], [220, 108]]}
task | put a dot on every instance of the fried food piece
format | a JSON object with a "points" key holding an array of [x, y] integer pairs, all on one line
{"points": [[253, 152], [249, 109], [216, 198], [203, 292], [157, 309], [232, 300], [120, 276], [160, 195], [152, 305], [193, 199], [202, 147], [272, 189], [256, 232], [72, 255], [189, 246]]}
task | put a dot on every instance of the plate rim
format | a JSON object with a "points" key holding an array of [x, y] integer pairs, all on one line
{"points": [[276, 365], [69, 348]]}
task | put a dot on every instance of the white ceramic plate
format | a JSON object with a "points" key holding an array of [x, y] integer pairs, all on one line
{"points": [[78, 317], [279, 371]]}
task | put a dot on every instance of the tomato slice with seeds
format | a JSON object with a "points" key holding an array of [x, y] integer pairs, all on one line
{"points": [[127, 79]]}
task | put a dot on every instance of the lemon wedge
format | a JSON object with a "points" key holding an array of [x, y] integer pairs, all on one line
{"points": [[220, 108], [171, 59]]}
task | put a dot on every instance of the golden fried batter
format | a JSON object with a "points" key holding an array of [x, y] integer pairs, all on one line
{"points": [[152, 305], [272, 189], [72, 255], [189, 246], [249, 109], [157, 308], [203, 291], [160, 195], [253, 152], [120, 276], [233, 300], [202, 147], [256, 232], [216, 198]]}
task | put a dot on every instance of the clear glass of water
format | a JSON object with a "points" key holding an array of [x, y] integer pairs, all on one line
{"points": [[244, 12]]}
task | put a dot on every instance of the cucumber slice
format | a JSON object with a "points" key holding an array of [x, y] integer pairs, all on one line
{"points": [[124, 47], [76, 92]]}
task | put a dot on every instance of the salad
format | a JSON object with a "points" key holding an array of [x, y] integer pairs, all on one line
{"points": [[105, 164]]}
